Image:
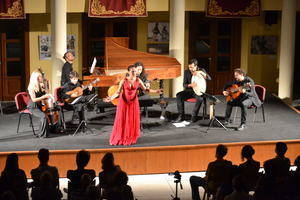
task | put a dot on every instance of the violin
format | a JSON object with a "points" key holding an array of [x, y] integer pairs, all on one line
{"points": [[48, 105]]}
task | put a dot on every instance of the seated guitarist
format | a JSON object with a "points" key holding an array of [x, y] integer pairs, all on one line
{"points": [[188, 92], [246, 98], [69, 86]]}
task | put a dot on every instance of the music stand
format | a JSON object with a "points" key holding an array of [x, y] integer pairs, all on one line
{"points": [[83, 124], [213, 100]]}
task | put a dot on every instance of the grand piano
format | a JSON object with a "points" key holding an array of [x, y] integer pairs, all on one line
{"points": [[118, 57]]}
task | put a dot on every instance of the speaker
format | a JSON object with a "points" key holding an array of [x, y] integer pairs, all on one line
{"points": [[271, 17]]}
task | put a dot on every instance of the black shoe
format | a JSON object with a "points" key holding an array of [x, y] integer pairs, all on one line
{"points": [[74, 121], [241, 127], [194, 119], [180, 118], [226, 123]]}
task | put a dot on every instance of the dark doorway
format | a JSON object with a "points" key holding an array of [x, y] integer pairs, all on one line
{"points": [[12, 58], [216, 43]]}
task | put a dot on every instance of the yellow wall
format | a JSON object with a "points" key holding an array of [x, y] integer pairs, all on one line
{"points": [[43, 6], [39, 24], [262, 68], [142, 26]]}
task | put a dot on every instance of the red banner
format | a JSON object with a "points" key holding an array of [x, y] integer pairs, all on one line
{"points": [[233, 8], [12, 9], [117, 8]]}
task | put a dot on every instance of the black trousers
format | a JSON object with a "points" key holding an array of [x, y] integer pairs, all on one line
{"points": [[187, 94], [196, 182], [79, 106], [243, 104]]}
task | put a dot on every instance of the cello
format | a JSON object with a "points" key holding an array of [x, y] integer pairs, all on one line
{"points": [[48, 105]]}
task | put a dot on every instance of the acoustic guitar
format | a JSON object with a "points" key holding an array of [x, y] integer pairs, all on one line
{"points": [[79, 91], [235, 91]]}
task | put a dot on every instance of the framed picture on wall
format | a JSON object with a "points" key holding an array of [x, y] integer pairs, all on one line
{"points": [[158, 32], [45, 47], [162, 49], [264, 44], [71, 43]]}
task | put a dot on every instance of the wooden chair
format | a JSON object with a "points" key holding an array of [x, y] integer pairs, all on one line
{"points": [[261, 93]]}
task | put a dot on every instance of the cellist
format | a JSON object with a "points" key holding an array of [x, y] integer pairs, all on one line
{"points": [[37, 92]]}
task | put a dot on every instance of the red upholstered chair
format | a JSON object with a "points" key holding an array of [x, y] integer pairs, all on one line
{"points": [[261, 93], [22, 99], [193, 100]]}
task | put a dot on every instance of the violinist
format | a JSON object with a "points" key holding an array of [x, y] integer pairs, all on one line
{"points": [[37, 92], [71, 86]]}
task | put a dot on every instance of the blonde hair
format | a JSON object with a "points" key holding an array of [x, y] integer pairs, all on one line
{"points": [[34, 84]]}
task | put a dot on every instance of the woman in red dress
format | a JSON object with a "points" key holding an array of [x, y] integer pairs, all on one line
{"points": [[126, 128]]}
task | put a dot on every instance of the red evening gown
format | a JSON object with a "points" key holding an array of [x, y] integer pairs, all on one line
{"points": [[126, 128]]}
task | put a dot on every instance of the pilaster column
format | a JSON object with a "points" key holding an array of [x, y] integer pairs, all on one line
{"points": [[287, 49], [176, 48], [58, 38]]}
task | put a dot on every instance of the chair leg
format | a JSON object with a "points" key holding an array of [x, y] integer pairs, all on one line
{"points": [[263, 113], [1, 110], [19, 122], [235, 113], [254, 115], [204, 109], [147, 113], [31, 124]]}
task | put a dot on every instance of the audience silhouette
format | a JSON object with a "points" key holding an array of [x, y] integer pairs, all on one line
{"points": [[223, 180], [46, 189], [249, 170], [78, 177], [13, 179], [218, 172], [108, 173]]}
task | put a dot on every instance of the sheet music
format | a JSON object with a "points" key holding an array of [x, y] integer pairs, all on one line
{"points": [[93, 65], [76, 100]]}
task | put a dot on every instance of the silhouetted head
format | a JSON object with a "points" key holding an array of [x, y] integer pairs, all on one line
{"points": [[281, 149], [43, 156], [12, 162], [82, 158], [8, 195], [297, 162], [108, 161], [247, 152], [221, 151], [121, 178]]}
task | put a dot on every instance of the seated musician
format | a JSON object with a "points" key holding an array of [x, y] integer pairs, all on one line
{"points": [[188, 92], [37, 94], [140, 72], [246, 98], [70, 86]]}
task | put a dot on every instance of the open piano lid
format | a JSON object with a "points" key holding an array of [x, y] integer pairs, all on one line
{"points": [[118, 57]]}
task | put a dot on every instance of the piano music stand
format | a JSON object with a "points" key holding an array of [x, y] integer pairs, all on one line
{"points": [[213, 100], [83, 124]]}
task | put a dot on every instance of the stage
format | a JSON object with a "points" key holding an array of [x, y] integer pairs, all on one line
{"points": [[162, 147]]}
